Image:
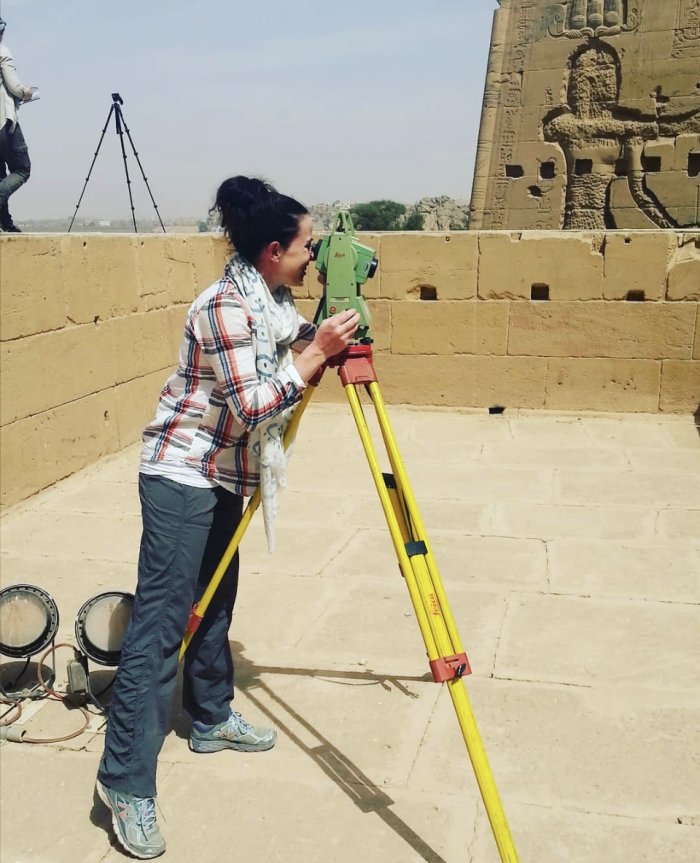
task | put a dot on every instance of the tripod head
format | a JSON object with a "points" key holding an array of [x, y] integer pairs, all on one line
{"points": [[346, 264], [117, 98]]}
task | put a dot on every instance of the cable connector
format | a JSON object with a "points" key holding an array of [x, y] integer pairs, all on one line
{"points": [[12, 733]]}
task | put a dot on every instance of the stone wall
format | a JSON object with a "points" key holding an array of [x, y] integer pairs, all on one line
{"points": [[591, 116], [90, 326]]}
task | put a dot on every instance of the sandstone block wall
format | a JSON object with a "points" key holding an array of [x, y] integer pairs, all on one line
{"points": [[90, 327]]}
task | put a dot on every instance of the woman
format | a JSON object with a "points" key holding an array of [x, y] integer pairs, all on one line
{"points": [[216, 436]]}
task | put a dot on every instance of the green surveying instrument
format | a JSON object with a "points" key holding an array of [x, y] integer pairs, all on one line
{"points": [[346, 264]]}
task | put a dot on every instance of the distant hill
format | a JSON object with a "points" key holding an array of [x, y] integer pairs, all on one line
{"points": [[184, 225], [444, 214], [440, 213]]}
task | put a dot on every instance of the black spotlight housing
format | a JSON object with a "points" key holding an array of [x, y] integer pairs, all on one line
{"points": [[28, 620], [101, 624]]}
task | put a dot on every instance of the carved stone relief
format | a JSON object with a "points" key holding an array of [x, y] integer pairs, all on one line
{"points": [[686, 37], [614, 120], [586, 18], [511, 100], [603, 141]]}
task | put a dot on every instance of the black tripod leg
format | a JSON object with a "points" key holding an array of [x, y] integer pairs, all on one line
{"points": [[138, 161], [94, 159], [118, 119]]}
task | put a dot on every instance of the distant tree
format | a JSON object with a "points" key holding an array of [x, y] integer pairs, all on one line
{"points": [[413, 222], [378, 216], [203, 227]]}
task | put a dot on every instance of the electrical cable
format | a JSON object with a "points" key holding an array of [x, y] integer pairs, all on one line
{"points": [[12, 705], [57, 696]]}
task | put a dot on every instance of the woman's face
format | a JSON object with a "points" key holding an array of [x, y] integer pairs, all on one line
{"points": [[295, 259]]}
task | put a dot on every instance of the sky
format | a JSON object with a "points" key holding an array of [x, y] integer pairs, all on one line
{"points": [[328, 101]]}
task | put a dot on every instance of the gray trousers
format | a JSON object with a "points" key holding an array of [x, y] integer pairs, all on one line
{"points": [[15, 166], [185, 533]]}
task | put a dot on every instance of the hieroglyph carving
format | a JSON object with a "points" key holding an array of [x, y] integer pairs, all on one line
{"points": [[512, 100], [686, 38], [577, 19]]}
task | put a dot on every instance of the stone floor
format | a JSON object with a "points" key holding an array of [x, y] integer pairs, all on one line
{"points": [[569, 548]]}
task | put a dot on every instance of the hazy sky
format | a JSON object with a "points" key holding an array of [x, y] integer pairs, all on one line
{"points": [[329, 101]]}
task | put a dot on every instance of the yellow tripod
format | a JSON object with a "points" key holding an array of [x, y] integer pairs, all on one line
{"points": [[446, 656]]}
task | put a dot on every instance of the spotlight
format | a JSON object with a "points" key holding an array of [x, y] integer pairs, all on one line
{"points": [[101, 624], [99, 631], [28, 623], [28, 620]]}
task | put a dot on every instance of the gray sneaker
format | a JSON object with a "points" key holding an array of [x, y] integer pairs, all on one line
{"points": [[134, 822], [234, 733]]}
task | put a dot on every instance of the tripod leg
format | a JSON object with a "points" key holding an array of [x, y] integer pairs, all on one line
{"points": [[442, 643], [200, 607], [138, 162], [117, 117], [92, 165], [411, 508], [428, 611]]}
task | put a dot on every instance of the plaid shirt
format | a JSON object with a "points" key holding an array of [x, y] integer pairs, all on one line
{"points": [[210, 404]]}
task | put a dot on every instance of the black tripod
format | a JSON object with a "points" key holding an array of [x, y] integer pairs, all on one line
{"points": [[115, 109]]}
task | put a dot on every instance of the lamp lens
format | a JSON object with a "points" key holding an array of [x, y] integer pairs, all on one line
{"points": [[28, 620], [101, 624]]}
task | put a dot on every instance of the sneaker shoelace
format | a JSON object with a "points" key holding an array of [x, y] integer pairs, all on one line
{"points": [[145, 813], [239, 724]]}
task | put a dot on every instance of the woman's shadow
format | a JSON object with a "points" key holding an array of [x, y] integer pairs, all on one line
{"points": [[362, 791]]}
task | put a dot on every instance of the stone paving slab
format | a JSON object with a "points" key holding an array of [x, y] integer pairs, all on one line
{"points": [[674, 488], [552, 834], [523, 454], [604, 751], [47, 798], [569, 547], [100, 536], [668, 572], [566, 521], [647, 644], [487, 561], [678, 524], [349, 821]]}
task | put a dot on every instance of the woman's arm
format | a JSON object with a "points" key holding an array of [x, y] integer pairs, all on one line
{"points": [[10, 78], [223, 330], [307, 331]]}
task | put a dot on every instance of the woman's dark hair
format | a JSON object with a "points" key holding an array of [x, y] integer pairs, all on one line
{"points": [[254, 214]]}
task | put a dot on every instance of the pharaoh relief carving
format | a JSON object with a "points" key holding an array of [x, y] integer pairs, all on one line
{"points": [[603, 141], [580, 18]]}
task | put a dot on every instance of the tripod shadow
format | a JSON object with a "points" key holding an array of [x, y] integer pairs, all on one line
{"points": [[360, 789]]}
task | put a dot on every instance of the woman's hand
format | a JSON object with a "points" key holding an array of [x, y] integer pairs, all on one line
{"points": [[336, 332], [332, 336]]}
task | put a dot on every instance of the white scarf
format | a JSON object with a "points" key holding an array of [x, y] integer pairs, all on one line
{"points": [[276, 329]]}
